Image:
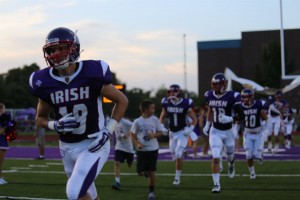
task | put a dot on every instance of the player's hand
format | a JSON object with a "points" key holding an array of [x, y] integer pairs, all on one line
{"points": [[206, 128], [224, 119], [66, 124], [187, 130], [164, 130], [101, 138]]}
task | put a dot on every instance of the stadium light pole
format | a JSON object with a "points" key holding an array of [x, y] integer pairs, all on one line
{"points": [[184, 66]]}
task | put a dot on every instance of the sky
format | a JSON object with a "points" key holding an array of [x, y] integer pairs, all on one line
{"points": [[148, 44]]}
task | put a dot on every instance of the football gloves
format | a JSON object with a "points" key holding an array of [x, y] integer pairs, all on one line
{"points": [[101, 138], [187, 130], [65, 124], [224, 119], [206, 128]]}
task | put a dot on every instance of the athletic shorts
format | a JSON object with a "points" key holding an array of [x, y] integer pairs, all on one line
{"points": [[146, 161], [121, 156]]}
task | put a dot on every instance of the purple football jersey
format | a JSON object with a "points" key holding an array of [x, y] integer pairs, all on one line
{"points": [[222, 104], [78, 94], [177, 112], [252, 113]]}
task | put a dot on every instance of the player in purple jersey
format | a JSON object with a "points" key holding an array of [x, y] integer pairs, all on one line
{"points": [[176, 109], [222, 105], [5, 120], [277, 105], [255, 112], [74, 90]]}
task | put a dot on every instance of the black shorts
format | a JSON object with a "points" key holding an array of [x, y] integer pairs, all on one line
{"points": [[146, 161], [121, 156]]}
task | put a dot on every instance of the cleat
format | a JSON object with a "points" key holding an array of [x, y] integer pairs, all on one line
{"points": [[151, 196], [231, 171], [116, 186], [276, 147], [270, 147], [252, 176], [216, 189], [176, 182], [40, 158], [2, 181]]}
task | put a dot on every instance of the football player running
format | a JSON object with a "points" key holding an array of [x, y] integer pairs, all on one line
{"points": [[287, 125], [275, 116], [221, 105], [5, 121], [254, 130], [176, 109], [73, 90]]}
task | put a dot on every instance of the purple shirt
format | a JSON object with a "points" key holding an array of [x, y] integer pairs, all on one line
{"points": [[222, 104], [252, 114], [177, 112], [78, 94]]}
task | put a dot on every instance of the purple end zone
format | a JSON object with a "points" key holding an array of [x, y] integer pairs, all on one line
{"points": [[164, 154]]}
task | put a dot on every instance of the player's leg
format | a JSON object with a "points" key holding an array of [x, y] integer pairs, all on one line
{"points": [[276, 134], [153, 156], [229, 142], [182, 142], [2, 155], [271, 129], [172, 145], [249, 146], [40, 141], [119, 158], [216, 146], [87, 167]]}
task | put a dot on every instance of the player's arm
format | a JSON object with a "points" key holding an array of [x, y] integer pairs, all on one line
{"points": [[239, 113], [209, 115], [135, 141], [264, 114], [121, 102], [163, 115], [42, 114], [192, 115]]}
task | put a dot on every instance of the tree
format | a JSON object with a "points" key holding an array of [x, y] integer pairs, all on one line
{"points": [[14, 87], [269, 72]]}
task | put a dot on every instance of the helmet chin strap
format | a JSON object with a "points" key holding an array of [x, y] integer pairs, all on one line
{"points": [[63, 66], [173, 98]]}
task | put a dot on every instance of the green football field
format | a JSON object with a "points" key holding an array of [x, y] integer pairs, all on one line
{"points": [[45, 179]]}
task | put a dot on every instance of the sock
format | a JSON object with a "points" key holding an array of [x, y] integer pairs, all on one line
{"points": [[151, 189], [216, 178], [178, 173], [118, 179], [251, 170]]}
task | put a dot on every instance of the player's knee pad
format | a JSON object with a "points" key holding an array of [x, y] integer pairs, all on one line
{"points": [[179, 152], [230, 153], [249, 154], [216, 152], [72, 192], [258, 153]]}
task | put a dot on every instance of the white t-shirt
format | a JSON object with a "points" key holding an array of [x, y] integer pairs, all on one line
{"points": [[123, 138], [141, 127]]}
